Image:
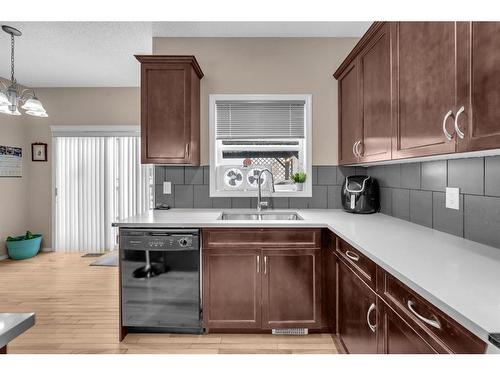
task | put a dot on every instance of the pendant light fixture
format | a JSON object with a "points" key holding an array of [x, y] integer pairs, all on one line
{"points": [[13, 96]]}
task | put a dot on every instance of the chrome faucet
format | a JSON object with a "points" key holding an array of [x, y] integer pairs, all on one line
{"points": [[260, 204]]}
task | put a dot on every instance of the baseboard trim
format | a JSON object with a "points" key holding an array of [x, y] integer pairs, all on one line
{"points": [[2, 257], [47, 250]]}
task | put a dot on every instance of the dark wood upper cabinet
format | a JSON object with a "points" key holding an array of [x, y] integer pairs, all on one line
{"points": [[376, 97], [349, 114], [357, 313], [170, 109], [424, 62], [398, 337], [231, 288], [291, 288], [478, 78]]}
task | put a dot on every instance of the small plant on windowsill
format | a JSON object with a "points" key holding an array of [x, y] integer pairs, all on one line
{"points": [[299, 178]]}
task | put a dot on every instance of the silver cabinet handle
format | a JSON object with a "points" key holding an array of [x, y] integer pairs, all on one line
{"points": [[187, 149], [373, 327], [431, 322], [352, 255], [358, 153], [265, 265], [448, 136], [258, 264], [354, 148], [460, 133]]}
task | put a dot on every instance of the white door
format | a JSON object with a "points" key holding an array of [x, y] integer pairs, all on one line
{"points": [[98, 180]]}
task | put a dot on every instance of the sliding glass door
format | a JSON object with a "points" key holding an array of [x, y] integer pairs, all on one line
{"points": [[98, 180]]}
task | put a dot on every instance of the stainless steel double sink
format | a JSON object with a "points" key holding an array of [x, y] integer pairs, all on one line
{"points": [[254, 215]]}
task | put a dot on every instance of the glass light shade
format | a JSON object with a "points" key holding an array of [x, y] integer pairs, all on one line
{"points": [[37, 113], [3, 99], [5, 109], [33, 104]]}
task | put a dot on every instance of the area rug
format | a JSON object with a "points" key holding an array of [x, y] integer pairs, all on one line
{"points": [[108, 260]]}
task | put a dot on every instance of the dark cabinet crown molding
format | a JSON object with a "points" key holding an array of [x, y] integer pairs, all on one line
{"points": [[172, 59], [365, 39]]}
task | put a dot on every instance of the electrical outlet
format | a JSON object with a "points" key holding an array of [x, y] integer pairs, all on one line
{"points": [[453, 198], [167, 187]]}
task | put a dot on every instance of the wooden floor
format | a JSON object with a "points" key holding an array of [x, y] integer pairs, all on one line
{"points": [[76, 310]]}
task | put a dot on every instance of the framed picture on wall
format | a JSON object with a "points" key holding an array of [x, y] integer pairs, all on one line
{"points": [[39, 151]]}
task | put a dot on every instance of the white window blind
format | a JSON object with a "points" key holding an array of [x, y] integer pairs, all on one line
{"points": [[239, 119], [98, 180]]}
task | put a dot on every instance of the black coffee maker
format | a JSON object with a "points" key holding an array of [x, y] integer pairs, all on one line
{"points": [[360, 195]]}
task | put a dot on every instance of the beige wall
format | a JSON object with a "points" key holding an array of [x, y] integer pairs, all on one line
{"points": [[270, 65], [13, 190], [70, 106]]}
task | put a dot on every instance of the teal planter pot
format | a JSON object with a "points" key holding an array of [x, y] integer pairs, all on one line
{"points": [[24, 249]]}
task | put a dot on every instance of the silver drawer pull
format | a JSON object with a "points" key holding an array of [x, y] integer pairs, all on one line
{"points": [[373, 327], [352, 255], [431, 322]]}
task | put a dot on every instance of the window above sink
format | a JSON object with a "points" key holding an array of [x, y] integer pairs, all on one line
{"points": [[249, 133]]}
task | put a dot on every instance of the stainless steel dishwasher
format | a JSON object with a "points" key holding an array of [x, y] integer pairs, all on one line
{"points": [[160, 280]]}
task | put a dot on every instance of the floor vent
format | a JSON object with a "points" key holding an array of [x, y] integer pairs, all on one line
{"points": [[290, 331]]}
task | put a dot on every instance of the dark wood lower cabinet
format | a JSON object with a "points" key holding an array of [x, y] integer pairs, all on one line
{"points": [[396, 336], [357, 313], [231, 288], [291, 288]]}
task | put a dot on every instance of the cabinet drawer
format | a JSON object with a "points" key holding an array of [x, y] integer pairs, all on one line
{"points": [[262, 237], [361, 265], [441, 331]]}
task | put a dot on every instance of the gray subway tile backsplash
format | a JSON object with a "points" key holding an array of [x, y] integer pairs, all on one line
{"points": [[193, 175], [434, 175], [413, 192], [401, 203], [446, 219], [482, 219], [327, 175], [467, 174], [492, 176], [410, 176], [421, 207]]}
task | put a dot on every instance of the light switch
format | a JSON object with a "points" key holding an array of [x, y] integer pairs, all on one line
{"points": [[167, 187], [453, 198]]}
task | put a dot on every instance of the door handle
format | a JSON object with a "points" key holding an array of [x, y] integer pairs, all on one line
{"points": [[187, 149], [460, 133], [354, 148], [265, 265], [352, 255], [358, 153], [373, 327], [432, 322], [448, 136], [258, 264]]}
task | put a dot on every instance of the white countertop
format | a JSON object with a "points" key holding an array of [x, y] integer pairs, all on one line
{"points": [[13, 324], [459, 276]]}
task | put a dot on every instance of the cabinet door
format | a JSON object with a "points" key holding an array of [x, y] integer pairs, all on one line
{"points": [[291, 288], [349, 114], [424, 62], [357, 313], [478, 79], [231, 288], [376, 97], [169, 113], [396, 336]]}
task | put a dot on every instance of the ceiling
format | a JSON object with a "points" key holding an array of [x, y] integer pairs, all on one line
{"points": [[99, 54]]}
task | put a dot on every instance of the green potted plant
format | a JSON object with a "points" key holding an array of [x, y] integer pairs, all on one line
{"points": [[299, 178], [24, 247]]}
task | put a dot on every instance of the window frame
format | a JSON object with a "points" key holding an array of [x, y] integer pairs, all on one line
{"points": [[307, 98]]}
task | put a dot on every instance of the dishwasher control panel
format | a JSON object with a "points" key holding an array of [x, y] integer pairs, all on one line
{"points": [[159, 240]]}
